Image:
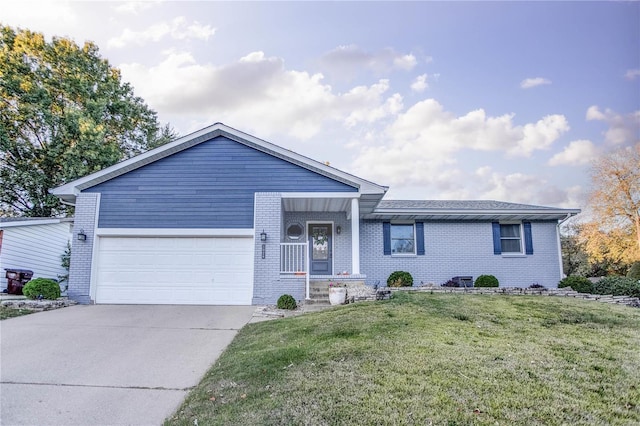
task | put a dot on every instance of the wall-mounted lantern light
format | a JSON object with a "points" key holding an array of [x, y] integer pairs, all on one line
{"points": [[263, 238], [338, 229], [82, 236]]}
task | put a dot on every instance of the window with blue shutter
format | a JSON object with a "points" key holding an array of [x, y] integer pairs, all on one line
{"points": [[508, 238], [386, 232], [403, 238], [497, 248], [420, 238], [528, 242]]}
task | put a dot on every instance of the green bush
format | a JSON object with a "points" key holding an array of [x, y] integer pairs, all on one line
{"points": [[577, 283], [286, 301], [634, 271], [486, 281], [49, 289], [400, 279], [617, 286]]}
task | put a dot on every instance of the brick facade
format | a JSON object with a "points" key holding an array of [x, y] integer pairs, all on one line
{"points": [[87, 205], [463, 248]]}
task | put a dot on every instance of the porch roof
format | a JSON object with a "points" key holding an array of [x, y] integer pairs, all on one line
{"points": [[329, 202]]}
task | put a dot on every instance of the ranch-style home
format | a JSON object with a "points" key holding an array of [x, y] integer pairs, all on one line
{"points": [[222, 217]]}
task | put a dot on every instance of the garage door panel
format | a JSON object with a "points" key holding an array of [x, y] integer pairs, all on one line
{"points": [[172, 270]]}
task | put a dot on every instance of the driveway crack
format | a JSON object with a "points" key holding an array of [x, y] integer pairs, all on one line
{"points": [[97, 386]]}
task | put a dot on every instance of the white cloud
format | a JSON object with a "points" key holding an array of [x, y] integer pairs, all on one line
{"points": [[51, 18], [178, 28], [577, 153], [632, 74], [623, 128], [523, 188], [420, 83], [350, 59], [257, 93], [134, 7], [420, 148], [528, 83], [405, 62]]}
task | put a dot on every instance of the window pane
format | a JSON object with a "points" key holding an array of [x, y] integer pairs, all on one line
{"points": [[510, 246], [402, 246], [402, 231], [510, 231]]}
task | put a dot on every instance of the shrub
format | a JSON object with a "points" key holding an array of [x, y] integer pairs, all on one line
{"points": [[617, 286], [536, 285], [486, 281], [286, 301], [577, 283], [400, 279], [49, 289], [450, 283], [634, 271]]}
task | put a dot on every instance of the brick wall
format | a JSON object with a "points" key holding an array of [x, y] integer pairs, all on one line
{"points": [[267, 218], [82, 251], [463, 248]]}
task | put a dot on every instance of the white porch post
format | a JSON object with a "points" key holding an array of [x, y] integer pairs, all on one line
{"points": [[355, 236]]}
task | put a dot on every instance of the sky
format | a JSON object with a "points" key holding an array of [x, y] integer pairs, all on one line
{"points": [[506, 101]]}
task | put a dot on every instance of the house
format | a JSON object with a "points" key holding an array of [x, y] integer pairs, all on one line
{"points": [[222, 217], [33, 243]]}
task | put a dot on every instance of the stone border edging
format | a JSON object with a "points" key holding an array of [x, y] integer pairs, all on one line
{"points": [[38, 305], [565, 292]]}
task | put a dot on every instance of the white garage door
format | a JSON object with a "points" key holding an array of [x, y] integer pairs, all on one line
{"points": [[172, 270]]}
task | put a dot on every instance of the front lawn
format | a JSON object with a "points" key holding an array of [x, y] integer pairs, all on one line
{"points": [[430, 359], [9, 312]]}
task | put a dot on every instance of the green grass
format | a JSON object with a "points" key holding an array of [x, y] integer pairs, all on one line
{"points": [[9, 312], [437, 359]]}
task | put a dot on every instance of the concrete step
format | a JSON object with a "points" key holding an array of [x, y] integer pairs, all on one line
{"points": [[317, 301], [315, 308]]}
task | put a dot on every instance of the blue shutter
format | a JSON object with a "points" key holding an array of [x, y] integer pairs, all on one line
{"points": [[420, 238], [497, 248], [386, 232], [528, 242]]}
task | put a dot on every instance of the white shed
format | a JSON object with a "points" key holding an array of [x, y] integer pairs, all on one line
{"points": [[33, 243]]}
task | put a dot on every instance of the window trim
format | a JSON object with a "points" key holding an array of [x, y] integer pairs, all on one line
{"points": [[300, 237], [415, 242], [521, 238]]}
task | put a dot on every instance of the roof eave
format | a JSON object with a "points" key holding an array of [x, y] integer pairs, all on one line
{"points": [[541, 214]]}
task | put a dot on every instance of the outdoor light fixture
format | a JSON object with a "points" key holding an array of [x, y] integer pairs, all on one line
{"points": [[82, 236], [338, 229], [263, 238]]}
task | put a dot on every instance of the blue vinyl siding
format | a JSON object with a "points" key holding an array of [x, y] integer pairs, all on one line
{"points": [[210, 185]]}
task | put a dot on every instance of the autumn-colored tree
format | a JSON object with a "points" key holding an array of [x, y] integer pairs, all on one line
{"points": [[613, 236], [64, 113]]}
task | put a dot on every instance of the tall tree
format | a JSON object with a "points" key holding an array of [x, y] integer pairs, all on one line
{"points": [[614, 234], [64, 113]]}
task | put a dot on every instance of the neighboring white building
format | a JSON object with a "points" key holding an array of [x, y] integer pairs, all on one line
{"points": [[36, 244]]}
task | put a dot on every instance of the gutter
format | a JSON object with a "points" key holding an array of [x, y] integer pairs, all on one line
{"points": [[560, 222]]}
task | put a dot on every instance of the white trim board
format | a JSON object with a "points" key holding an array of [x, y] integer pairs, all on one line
{"points": [[174, 232]]}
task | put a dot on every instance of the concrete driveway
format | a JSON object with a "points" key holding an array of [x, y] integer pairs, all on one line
{"points": [[109, 364]]}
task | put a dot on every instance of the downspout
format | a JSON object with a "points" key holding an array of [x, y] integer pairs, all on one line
{"points": [[569, 215]]}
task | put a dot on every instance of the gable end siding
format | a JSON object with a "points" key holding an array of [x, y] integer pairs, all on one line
{"points": [[210, 185]]}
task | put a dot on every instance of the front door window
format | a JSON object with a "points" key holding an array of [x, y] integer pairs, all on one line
{"points": [[320, 249], [320, 243]]}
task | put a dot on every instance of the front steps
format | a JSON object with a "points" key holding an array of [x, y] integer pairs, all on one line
{"points": [[319, 290], [318, 293]]}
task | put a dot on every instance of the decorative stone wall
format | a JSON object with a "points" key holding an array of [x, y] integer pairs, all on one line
{"points": [[563, 292]]}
